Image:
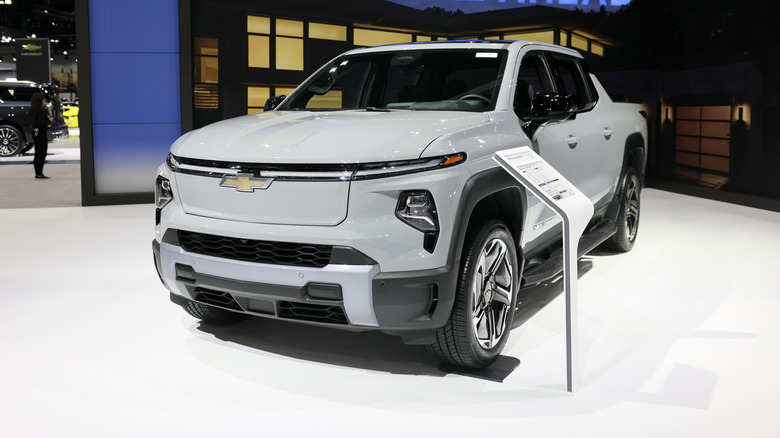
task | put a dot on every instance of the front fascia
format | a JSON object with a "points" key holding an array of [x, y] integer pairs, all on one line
{"points": [[370, 227]]}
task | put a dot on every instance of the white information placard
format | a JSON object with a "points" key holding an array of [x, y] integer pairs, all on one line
{"points": [[576, 210]]}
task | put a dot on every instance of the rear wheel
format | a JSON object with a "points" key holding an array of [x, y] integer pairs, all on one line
{"points": [[482, 315], [628, 215], [212, 314], [11, 142]]}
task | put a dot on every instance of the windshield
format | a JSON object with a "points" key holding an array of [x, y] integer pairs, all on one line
{"points": [[443, 80]]}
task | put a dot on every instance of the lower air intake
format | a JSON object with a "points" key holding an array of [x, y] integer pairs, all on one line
{"points": [[312, 312], [216, 298]]}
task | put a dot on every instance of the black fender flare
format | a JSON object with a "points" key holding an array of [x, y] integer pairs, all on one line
{"points": [[634, 155], [479, 187]]}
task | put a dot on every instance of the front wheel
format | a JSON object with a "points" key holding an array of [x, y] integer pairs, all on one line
{"points": [[11, 141], [628, 215], [483, 311]]}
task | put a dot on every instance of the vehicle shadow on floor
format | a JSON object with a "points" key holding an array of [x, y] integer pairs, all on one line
{"points": [[533, 299], [369, 350]]}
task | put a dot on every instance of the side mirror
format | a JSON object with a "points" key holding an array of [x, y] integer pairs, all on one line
{"points": [[549, 107], [273, 102]]}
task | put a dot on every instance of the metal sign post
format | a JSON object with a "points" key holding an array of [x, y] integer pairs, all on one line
{"points": [[576, 210]]}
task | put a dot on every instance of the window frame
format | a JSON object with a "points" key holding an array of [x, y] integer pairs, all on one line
{"points": [[581, 72]]}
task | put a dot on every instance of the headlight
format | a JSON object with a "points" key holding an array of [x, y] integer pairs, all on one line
{"points": [[418, 210], [162, 192]]}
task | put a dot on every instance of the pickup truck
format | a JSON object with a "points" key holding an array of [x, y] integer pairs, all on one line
{"points": [[368, 199]]}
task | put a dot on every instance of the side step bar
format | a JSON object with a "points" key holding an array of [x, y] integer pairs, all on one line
{"points": [[554, 264]]}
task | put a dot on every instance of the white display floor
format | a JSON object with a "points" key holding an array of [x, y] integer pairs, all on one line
{"points": [[679, 338]]}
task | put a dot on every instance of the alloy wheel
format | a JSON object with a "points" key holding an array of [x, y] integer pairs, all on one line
{"points": [[491, 293], [632, 208], [10, 142]]}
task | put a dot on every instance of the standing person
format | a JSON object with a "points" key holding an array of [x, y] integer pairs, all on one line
{"points": [[40, 124]]}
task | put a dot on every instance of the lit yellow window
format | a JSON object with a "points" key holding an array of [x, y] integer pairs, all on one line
{"points": [[545, 36], [289, 53], [330, 100], [257, 96], [327, 32], [423, 38], [289, 28], [597, 49], [367, 37], [206, 46], [206, 60], [495, 37], [206, 70], [258, 24], [564, 38], [579, 42], [283, 91], [258, 51]]}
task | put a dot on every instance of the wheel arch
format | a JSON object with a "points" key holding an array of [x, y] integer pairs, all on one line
{"points": [[491, 194], [633, 157]]}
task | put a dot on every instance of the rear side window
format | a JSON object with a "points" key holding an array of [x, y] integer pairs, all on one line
{"points": [[17, 94], [570, 79]]}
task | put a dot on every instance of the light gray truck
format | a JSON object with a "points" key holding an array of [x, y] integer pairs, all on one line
{"points": [[368, 199]]}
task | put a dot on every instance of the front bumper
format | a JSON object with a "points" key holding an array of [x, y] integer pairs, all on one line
{"points": [[341, 295], [58, 132]]}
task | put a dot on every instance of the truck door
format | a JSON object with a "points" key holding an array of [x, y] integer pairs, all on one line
{"points": [[581, 147]]}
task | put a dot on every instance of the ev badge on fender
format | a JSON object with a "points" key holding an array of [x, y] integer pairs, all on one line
{"points": [[245, 182]]}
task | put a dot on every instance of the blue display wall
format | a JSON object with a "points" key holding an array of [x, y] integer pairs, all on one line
{"points": [[129, 95]]}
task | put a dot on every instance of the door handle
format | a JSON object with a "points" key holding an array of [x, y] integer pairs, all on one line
{"points": [[572, 141], [607, 133]]}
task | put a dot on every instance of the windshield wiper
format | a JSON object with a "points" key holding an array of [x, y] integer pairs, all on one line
{"points": [[377, 109]]}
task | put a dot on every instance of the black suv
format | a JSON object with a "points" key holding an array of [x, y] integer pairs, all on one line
{"points": [[15, 123]]}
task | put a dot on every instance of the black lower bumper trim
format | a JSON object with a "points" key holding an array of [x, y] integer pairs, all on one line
{"points": [[414, 301]]}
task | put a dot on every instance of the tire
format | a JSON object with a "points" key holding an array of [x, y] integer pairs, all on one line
{"points": [[212, 314], [628, 214], [11, 141], [482, 314]]}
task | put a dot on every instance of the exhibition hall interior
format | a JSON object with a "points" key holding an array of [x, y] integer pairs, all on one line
{"points": [[207, 258]]}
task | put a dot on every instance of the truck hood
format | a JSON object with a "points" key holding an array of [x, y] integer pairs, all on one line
{"points": [[344, 137], [299, 137]]}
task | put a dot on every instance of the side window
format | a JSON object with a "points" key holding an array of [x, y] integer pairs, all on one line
{"points": [[531, 79], [570, 79]]}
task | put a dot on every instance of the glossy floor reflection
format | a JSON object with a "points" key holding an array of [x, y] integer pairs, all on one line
{"points": [[678, 338]]}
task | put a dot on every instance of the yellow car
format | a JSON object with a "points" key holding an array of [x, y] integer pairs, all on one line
{"points": [[70, 112]]}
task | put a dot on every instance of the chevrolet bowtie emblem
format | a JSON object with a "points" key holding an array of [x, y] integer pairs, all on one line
{"points": [[245, 182]]}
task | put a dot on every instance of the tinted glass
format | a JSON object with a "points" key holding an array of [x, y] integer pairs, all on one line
{"points": [[17, 94], [570, 80], [445, 80]]}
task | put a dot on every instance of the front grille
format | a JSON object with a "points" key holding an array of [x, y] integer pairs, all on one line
{"points": [[312, 312], [258, 251], [217, 298]]}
